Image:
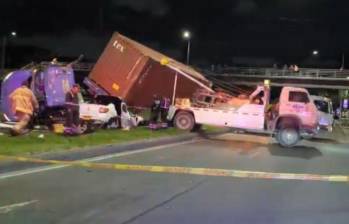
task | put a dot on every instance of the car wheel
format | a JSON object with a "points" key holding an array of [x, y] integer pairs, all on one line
{"points": [[113, 123]]}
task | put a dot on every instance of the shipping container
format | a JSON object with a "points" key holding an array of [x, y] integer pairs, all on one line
{"points": [[135, 73]]}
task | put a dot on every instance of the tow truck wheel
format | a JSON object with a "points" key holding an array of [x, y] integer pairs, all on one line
{"points": [[288, 136], [184, 121]]}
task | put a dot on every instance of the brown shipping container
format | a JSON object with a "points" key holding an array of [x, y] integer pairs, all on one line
{"points": [[133, 72]]}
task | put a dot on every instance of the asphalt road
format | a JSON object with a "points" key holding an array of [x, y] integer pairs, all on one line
{"points": [[77, 195]]}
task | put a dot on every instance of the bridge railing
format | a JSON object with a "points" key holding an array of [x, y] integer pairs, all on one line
{"points": [[81, 66], [273, 72]]}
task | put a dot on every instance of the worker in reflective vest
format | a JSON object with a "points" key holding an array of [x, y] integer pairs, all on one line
{"points": [[23, 104]]}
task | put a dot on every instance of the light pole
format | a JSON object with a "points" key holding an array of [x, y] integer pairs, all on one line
{"points": [[187, 36], [3, 47]]}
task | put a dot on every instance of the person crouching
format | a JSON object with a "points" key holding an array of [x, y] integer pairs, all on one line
{"points": [[23, 103]]}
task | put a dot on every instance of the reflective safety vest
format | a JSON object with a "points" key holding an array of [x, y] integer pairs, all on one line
{"points": [[23, 100]]}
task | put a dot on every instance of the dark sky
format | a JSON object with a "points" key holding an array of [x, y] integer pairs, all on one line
{"points": [[284, 30]]}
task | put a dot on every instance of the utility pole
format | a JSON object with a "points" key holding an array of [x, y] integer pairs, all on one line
{"points": [[3, 49], [3, 53]]}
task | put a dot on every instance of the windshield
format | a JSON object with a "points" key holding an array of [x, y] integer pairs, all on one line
{"points": [[322, 106]]}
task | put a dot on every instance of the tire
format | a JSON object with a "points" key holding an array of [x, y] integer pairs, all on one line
{"points": [[288, 136], [88, 127], [184, 121], [197, 127], [84, 127], [113, 123]]}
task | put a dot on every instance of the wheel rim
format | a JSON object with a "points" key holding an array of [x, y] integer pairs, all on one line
{"points": [[289, 136], [83, 128], [183, 122]]}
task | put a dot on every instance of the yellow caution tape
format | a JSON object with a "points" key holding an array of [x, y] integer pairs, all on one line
{"points": [[187, 170]]}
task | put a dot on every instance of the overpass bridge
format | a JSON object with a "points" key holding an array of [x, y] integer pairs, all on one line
{"points": [[241, 76], [306, 78]]}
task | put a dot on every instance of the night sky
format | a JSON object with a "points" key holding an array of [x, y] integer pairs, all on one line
{"points": [[224, 31]]}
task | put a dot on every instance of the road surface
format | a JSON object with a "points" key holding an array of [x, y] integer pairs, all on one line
{"points": [[88, 195]]}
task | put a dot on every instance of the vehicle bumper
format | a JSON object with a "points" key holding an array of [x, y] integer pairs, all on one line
{"points": [[309, 132], [328, 128]]}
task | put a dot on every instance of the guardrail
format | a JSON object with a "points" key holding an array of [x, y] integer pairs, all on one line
{"points": [[273, 72], [81, 66]]}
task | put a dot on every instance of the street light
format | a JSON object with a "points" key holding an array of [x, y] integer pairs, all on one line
{"points": [[187, 36], [315, 52], [3, 53]]}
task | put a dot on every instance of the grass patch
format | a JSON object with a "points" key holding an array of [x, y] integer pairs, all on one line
{"points": [[208, 128], [31, 144]]}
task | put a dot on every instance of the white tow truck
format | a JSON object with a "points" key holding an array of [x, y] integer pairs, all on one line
{"points": [[293, 117]]}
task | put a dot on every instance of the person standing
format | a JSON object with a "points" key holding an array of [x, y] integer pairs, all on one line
{"points": [[296, 68], [72, 107], [164, 107], [155, 110], [23, 104]]}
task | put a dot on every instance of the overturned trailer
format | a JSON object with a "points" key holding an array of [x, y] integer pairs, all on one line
{"points": [[135, 73]]}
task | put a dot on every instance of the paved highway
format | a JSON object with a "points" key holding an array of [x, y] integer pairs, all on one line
{"points": [[88, 195]]}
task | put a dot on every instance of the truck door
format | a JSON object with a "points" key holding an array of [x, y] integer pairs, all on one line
{"points": [[58, 81]]}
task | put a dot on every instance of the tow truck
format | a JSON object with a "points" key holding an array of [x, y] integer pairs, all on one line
{"points": [[289, 120]]}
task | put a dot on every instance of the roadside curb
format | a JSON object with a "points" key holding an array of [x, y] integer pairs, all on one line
{"points": [[87, 153]]}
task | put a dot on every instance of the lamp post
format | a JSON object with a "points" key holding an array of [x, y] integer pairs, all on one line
{"points": [[3, 53], [187, 36], [315, 52]]}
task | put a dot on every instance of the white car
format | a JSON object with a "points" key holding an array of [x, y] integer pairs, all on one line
{"points": [[97, 113], [325, 111], [100, 115]]}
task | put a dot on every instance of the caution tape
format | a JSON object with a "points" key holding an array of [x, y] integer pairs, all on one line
{"points": [[187, 170]]}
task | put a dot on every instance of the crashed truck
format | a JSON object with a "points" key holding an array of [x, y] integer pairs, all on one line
{"points": [[50, 83], [136, 73], [294, 117]]}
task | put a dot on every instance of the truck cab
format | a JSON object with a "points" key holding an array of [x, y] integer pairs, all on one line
{"points": [[293, 117], [49, 84]]}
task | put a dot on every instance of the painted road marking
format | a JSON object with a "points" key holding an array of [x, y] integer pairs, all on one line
{"points": [[95, 159], [9, 208], [189, 170]]}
